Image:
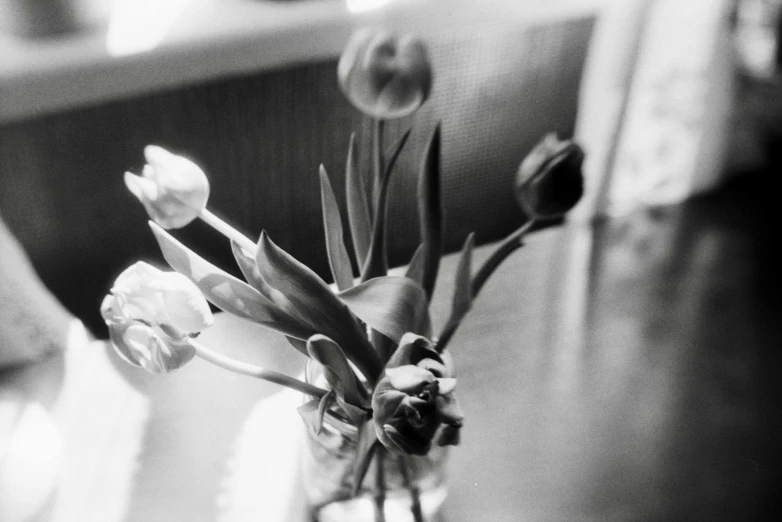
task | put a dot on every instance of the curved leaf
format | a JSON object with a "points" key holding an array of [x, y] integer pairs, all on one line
{"points": [[339, 261], [339, 374], [315, 302], [312, 412], [430, 212], [376, 264], [391, 305], [358, 207], [225, 291]]}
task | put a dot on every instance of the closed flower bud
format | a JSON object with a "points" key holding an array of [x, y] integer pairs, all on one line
{"points": [[550, 181], [414, 404], [385, 76], [173, 189], [152, 315]]}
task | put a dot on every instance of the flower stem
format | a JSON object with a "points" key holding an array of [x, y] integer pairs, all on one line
{"points": [[227, 230], [509, 245], [380, 486], [378, 127], [235, 366], [415, 498]]}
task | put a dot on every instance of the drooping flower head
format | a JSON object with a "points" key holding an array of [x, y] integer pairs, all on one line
{"points": [[550, 181], [385, 76], [152, 315], [414, 402], [173, 189]]}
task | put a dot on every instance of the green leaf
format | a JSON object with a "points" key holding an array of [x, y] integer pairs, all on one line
{"points": [[392, 305], [376, 264], [462, 292], [430, 212], [339, 261], [225, 291], [351, 395], [365, 450], [358, 207], [323, 311], [415, 269]]}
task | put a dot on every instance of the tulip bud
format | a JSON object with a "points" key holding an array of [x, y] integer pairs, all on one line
{"points": [[172, 188], [414, 404], [152, 315], [385, 76], [549, 181]]}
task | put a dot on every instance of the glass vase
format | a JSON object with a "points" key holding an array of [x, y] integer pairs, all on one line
{"points": [[394, 488]]}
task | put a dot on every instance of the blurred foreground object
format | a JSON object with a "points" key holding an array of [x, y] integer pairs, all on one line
{"points": [[50, 18], [32, 322]]}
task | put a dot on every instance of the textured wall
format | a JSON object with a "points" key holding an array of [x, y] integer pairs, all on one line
{"points": [[261, 138]]}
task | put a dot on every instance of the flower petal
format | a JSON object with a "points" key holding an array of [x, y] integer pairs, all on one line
{"points": [[185, 305], [408, 378], [143, 188], [446, 385]]}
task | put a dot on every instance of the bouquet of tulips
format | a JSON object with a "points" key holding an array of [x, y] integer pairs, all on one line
{"points": [[385, 370]]}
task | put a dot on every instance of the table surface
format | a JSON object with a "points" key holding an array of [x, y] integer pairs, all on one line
{"points": [[623, 372]]}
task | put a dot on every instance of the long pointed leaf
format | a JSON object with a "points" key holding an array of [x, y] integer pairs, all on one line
{"points": [[225, 291], [376, 264], [430, 212], [339, 261], [315, 301], [462, 292], [251, 273], [358, 208], [415, 270], [391, 305]]}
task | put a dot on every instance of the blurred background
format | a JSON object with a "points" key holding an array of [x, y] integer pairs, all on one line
{"points": [[678, 104]]}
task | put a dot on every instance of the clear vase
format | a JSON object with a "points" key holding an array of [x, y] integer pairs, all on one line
{"points": [[394, 489]]}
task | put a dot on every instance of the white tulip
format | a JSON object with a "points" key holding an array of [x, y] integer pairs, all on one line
{"points": [[173, 189], [152, 315]]}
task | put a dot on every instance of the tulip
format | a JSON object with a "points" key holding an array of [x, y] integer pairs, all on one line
{"points": [[385, 76], [152, 316], [549, 181], [414, 404], [173, 189]]}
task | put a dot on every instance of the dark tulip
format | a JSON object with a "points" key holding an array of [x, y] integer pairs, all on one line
{"points": [[550, 180], [414, 404]]}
